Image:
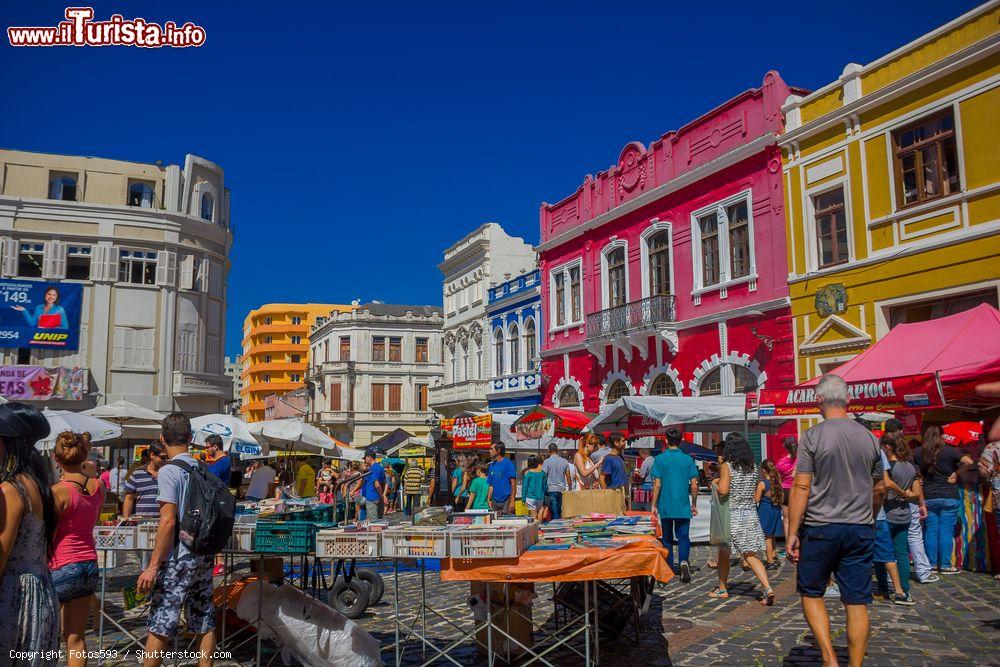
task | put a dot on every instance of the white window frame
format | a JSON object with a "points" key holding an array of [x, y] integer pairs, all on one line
{"points": [[567, 295], [812, 240], [79, 250], [35, 248], [719, 207], [514, 347], [655, 227], [125, 254], [529, 362], [606, 276], [497, 370]]}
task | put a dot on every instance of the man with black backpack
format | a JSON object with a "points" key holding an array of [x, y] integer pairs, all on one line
{"points": [[196, 520]]}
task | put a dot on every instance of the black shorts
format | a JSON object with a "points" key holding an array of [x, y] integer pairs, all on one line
{"points": [[842, 550]]}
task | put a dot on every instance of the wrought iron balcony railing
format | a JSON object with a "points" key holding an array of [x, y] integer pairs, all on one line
{"points": [[633, 316]]}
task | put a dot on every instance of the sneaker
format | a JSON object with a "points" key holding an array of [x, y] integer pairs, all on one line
{"points": [[832, 591], [782, 555], [685, 572], [930, 579], [904, 600], [219, 570], [949, 570]]}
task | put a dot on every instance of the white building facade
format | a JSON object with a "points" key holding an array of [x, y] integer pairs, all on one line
{"points": [[482, 259], [371, 370], [149, 245]]}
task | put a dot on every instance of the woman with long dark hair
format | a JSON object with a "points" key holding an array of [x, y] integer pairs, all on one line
{"points": [[738, 478], [940, 465], [27, 598]]}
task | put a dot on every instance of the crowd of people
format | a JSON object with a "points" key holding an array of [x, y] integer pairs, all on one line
{"points": [[861, 514]]}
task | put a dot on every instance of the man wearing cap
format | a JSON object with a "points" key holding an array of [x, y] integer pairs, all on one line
{"points": [[675, 483]]}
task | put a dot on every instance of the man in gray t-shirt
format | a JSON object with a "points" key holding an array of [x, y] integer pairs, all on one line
{"points": [[837, 491], [557, 468]]}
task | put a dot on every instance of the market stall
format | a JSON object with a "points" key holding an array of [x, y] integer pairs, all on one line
{"points": [[915, 367]]}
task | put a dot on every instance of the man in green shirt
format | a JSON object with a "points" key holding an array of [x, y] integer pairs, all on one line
{"points": [[675, 476]]}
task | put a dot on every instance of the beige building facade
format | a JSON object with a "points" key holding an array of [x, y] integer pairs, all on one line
{"points": [[149, 244]]}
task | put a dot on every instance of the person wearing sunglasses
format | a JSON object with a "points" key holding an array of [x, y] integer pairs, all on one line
{"points": [[141, 490]]}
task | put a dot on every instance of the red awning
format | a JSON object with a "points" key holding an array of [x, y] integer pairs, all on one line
{"points": [[960, 351], [556, 422]]}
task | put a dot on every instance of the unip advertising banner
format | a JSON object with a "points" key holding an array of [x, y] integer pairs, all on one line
{"points": [[469, 432], [40, 314], [35, 383], [883, 395]]}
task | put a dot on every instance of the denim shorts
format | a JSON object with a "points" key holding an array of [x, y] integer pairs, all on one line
{"points": [[843, 550], [76, 580]]}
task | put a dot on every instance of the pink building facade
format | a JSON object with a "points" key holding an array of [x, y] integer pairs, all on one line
{"points": [[667, 273]]}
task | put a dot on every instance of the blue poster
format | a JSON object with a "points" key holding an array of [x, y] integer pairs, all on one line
{"points": [[38, 314]]}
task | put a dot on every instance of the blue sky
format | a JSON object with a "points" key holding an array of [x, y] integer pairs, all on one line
{"points": [[361, 139]]}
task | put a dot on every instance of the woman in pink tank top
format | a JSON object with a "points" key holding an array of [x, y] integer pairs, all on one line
{"points": [[78, 499], [786, 468]]}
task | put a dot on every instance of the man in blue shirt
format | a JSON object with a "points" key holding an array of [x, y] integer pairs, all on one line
{"points": [[373, 488], [502, 480], [613, 466], [675, 476], [219, 464]]}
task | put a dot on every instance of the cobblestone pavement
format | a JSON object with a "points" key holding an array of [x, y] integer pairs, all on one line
{"points": [[956, 622]]}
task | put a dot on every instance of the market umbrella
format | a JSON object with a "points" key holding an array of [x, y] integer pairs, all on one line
{"points": [[125, 412], [234, 432], [962, 433], [544, 421], [61, 421], [293, 433]]}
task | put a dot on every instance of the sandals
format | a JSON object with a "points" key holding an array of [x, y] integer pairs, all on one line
{"points": [[719, 593], [768, 599], [714, 565]]}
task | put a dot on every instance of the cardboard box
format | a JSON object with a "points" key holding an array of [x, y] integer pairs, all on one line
{"points": [[590, 501]]}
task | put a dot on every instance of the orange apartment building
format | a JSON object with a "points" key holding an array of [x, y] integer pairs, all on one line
{"points": [[276, 351]]}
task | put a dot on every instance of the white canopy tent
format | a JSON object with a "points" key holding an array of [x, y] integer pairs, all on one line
{"points": [[694, 413]]}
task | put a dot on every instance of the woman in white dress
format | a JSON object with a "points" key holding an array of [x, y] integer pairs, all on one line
{"points": [[738, 477]]}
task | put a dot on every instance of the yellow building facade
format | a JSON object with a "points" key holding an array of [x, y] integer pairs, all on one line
{"points": [[276, 351], [892, 191]]}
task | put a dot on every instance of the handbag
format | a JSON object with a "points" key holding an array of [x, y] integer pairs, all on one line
{"points": [[718, 525]]}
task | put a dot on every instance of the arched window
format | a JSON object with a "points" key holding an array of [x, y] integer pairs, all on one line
{"points": [[568, 397], [659, 263], [616, 278], [617, 389], [515, 348], [530, 344], [62, 187], [140, 194], [663, 385], [744, 379], [498, 351], [711, 383], [477, 367], [207, 206]]}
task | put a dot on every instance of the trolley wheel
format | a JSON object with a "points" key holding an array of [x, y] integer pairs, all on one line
{"points": [[350, 598], [374, 580]]}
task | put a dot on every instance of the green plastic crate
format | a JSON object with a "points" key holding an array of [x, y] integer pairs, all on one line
{"points": [[284, 537]]}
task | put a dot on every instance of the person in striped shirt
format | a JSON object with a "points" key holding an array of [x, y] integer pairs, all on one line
{"points": [[140, 487]]}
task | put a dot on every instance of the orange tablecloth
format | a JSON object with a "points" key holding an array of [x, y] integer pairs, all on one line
{"points": [[636, 559]]}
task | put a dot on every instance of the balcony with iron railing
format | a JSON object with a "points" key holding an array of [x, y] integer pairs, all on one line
{"points": [[631, 324]]}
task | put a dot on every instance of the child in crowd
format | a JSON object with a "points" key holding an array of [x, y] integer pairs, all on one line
{"points": [[534, 485], [478, 488], [769, 496]]}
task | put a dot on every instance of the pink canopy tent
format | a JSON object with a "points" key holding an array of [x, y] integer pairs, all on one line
{"points": [[952, 354]]}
